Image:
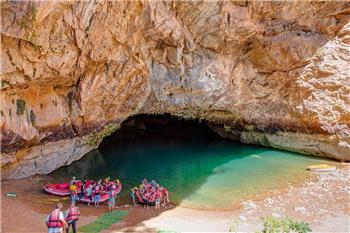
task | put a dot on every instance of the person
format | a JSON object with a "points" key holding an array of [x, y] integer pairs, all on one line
{"points": [[97, 194], [153, 183], [144, 194], [133, 195], [55, 221], [107, 183], [144, 182], [73, 180], [152, 196], [138, 196], [111, 197], [89, 193], [73, 193], [73, 215], [158, 198], [165, 195], [82, 188]]}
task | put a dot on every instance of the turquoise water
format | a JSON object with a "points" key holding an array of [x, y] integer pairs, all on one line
{"points": [[199, 169]]}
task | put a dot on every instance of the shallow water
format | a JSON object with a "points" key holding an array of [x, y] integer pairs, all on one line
{"points": [[199, 169]]}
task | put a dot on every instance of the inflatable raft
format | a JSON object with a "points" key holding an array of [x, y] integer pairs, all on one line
{"points": [[62, 189], [85, 199], [322, 168], [104, 196]]}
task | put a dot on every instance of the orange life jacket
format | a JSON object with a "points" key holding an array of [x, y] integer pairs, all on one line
{"points": [[73, 214], [54, 220]]}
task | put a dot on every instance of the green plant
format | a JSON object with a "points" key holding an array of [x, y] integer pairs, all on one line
{"points": [[277, 225], [95, 138], [301, 227], [27, 22], [103, 222], [32, 117], [233, 225], [21, 106]]}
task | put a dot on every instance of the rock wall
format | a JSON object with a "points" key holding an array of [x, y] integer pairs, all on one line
{"points": [[271, 73]]}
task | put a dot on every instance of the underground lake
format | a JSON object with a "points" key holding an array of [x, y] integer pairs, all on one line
{"points": [[199, 168]]}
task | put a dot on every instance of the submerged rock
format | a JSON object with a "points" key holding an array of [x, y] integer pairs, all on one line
{"points": [[269, 73]]}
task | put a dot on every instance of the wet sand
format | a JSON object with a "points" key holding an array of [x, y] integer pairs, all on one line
{"points": [[323, 201]]}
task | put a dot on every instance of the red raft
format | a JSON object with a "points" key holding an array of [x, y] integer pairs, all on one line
{"points": [[62, 189], [104, 196]]}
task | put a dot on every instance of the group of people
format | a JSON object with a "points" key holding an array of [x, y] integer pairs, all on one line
{"points": [[57, 220], [93, 190], [146, 194], [150, 194]]}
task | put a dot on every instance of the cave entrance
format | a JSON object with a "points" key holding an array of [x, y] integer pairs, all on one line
{"points": [[199, 168]]}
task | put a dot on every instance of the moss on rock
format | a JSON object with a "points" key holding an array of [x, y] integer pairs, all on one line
{"points": [[96, 137]]}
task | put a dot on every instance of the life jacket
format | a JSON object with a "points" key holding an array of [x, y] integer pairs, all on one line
{"points": [[54, 220], [73, 214], [138, 196], [73, 190], [158, 194], [165, 192], [151, 196]]}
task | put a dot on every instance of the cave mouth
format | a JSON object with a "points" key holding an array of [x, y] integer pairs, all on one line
{"points": [[199, 168], [162, 128]]}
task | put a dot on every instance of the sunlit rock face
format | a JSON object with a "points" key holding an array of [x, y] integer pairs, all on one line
{"points": [[270, 73]]}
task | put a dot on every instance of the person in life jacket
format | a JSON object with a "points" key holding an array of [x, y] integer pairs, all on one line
{"points": [[55, 221], [111, 197], [158, 197], [72, 216], [165, 196], [73, 192], [107, 184], [97, 194]]}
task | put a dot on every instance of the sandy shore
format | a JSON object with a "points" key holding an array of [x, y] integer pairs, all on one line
{"points": [[323, 201]]}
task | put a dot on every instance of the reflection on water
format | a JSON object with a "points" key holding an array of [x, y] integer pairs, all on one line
{"points": [[197, 167]]}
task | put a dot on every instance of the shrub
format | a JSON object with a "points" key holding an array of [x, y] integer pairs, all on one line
{"points": [[277, 225]]}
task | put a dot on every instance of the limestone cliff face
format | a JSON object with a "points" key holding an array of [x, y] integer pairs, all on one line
{"points": [[271, 73]]}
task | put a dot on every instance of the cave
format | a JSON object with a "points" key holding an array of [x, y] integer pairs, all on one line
{"points": [[189, 158]]}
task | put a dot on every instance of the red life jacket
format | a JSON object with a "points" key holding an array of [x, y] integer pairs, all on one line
{"points": [[165, 192], [54, 220], [73, 214], [158, 194], [138, 196]]}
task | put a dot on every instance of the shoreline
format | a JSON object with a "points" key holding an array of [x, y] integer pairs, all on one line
{"points": [[321, 199]]}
